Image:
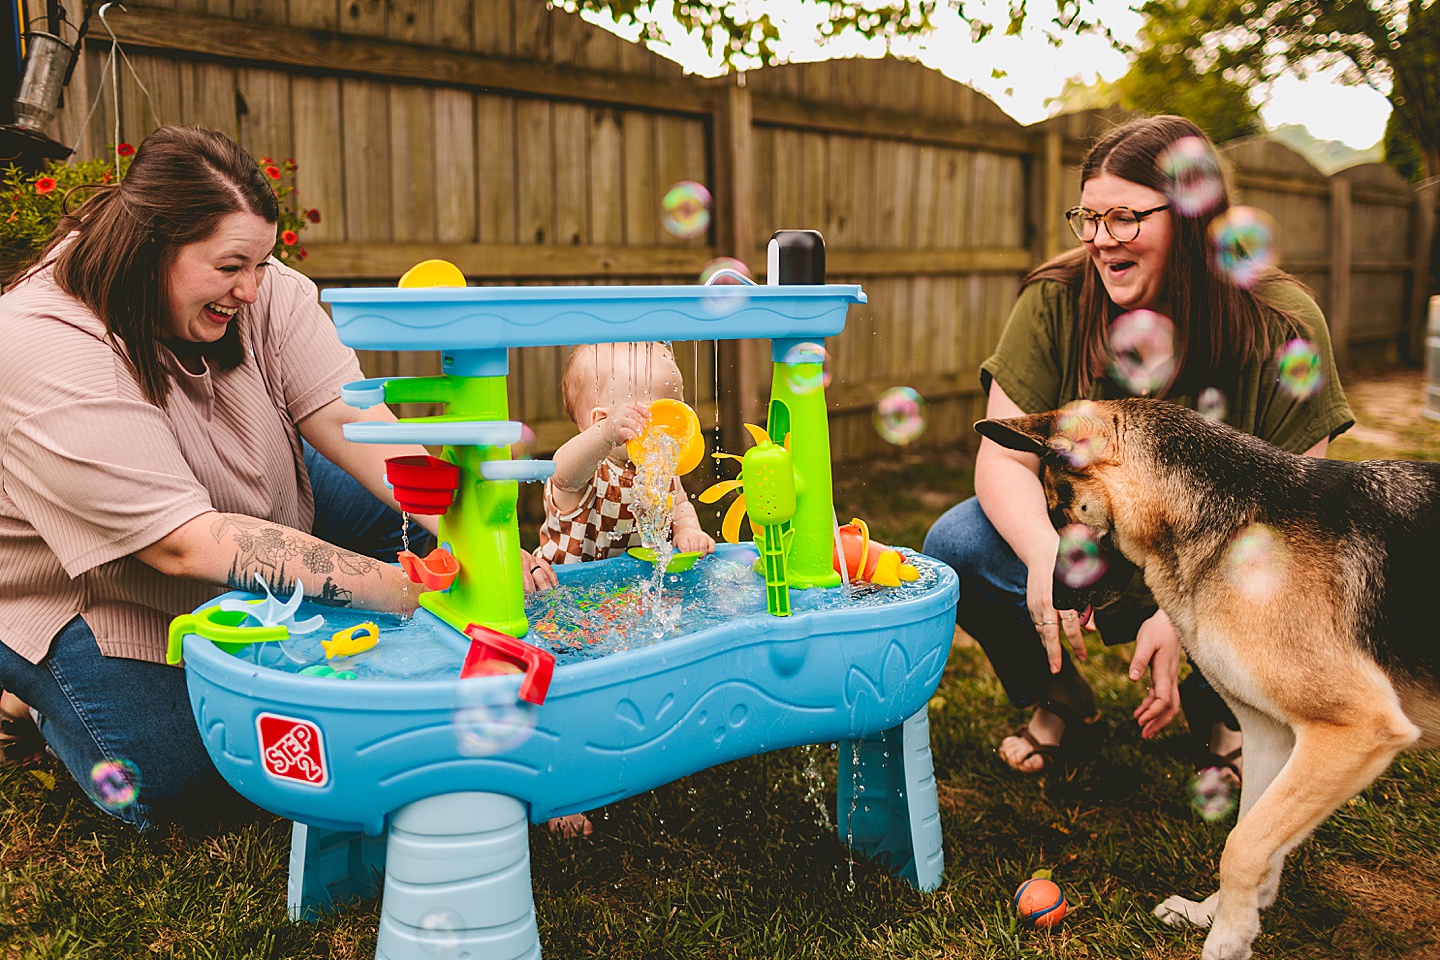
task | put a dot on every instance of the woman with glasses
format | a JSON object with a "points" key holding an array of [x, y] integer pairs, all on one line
{"points": [[1138, 252]]}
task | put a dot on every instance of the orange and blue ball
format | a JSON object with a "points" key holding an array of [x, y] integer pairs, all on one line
{"points": [[1040, 903]]}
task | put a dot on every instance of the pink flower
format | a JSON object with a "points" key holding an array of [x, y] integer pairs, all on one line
{"points": [[44, 185], [272, 171], [288, 238]]}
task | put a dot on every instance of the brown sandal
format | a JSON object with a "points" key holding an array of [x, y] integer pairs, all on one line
{"points": [[1081, 736]]}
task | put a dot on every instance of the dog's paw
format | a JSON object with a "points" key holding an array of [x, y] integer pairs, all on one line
{"points": [[1177, 911], [1230, 943]]}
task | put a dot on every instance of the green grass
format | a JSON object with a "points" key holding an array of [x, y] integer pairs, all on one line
{"points": [[738, 861]]}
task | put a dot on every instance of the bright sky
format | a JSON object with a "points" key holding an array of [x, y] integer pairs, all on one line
{"points": [[1035, 70]]}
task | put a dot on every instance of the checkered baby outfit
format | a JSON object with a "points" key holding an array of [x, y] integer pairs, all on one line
{"points": [[602, 526]]}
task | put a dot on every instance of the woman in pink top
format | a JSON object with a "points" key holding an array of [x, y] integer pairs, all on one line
{"points": [[170, 427]]}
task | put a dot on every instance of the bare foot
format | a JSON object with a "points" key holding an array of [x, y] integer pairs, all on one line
{"points": [[12, 706], [575, 825]]}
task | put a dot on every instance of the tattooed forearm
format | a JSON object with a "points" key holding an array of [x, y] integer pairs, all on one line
{"points": [[284, 556]]}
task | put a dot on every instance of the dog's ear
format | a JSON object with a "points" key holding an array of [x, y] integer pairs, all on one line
{"points": [[1026, 434]]}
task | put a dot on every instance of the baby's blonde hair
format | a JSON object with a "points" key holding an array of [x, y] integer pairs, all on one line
{"points": [[580, 384]]}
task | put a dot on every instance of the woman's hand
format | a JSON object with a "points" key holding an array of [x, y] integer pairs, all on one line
{"points": [[1158, 646], [1050, 623], [535, 573]]}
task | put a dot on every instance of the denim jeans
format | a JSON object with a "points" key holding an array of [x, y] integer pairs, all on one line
{"points": [[993, 611], [95, 708]]}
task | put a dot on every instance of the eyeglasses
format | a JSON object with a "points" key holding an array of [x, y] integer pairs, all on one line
{"points": [[1122, 222]]}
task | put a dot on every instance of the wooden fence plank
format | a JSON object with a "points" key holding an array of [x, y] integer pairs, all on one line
{"points": [[535, 169], [366, 110], [455, 167], [572, 185], [642, 194], [496, 159], [319, 154], [266, 126], [605, 151], [413, 164]]}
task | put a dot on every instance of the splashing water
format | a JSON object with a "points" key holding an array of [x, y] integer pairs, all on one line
{"points": [[654, 509]]}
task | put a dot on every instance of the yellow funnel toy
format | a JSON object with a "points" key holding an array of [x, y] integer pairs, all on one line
{"points": [[673, 417], [433, 273]]}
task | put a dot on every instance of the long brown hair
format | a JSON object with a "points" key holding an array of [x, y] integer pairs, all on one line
{"points": [[181, 184], [1219, 325]]}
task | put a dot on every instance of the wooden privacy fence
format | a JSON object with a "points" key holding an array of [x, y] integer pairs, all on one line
{"points": [[529, 147]]}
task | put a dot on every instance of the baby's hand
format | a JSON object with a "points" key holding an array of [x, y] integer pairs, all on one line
{"points": [[626, 423], [694, 541]]}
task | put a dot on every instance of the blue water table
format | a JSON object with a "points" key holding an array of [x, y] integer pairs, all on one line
{"points": [[414, 763]]}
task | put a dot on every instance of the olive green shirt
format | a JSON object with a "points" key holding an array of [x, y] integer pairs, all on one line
{"points": [[1037, 364]]}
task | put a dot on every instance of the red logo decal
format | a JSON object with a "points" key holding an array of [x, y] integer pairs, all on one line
{"points": [[292, 749]]}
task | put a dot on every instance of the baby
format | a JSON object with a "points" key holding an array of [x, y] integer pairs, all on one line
{"points": [[607, 389]]}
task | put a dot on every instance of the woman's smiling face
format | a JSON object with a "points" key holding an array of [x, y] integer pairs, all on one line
{"points": [[211, 279], [1134, 272]]}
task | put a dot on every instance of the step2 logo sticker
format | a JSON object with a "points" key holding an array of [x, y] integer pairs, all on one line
{"points": [[292, 749]]}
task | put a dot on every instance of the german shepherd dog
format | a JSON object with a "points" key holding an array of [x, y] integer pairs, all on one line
{"points": [[1327, 652]]}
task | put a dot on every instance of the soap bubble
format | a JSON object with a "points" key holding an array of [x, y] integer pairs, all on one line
{"points": [[440, 932], [1244, 244], [1299, 371], [1142, 351], [807, 367], [524, 448], [721, 303], [490, 717], [686, 208], [1193, 180], [899, 415], [116, 783], [1254, 562], [1211, 404], [1079, 562], [1212, 792], [724, 263], [1079, 435]]}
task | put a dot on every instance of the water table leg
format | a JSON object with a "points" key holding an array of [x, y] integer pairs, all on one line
{"points": [[457, 881], [328, 867], [887, 803]]}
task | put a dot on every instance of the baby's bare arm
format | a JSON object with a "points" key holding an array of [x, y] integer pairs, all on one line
{"points": [[685, 527], [579, 457]]}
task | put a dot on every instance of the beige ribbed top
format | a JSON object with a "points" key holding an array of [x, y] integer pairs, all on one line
{"points": [[90, 471]]}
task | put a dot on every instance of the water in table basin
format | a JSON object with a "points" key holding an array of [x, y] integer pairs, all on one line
{"points": [[598, 609]]}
